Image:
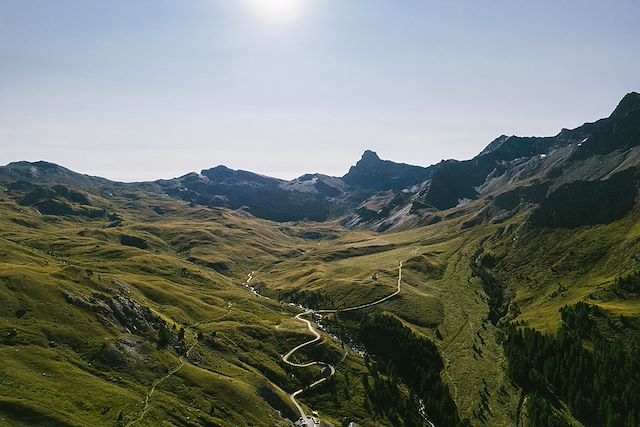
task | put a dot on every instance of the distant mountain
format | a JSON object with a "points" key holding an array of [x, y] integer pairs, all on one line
{"points": [[382, 195], [374, 173], [591, 152], [314, 197], [45, 173], [263, 197]]}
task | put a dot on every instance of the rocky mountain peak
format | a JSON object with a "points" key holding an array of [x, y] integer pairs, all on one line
{"points": [[369, 156], [495, 144], [630, 102], [374, 173]]}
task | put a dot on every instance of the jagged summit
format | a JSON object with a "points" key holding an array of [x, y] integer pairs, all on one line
{"points": [[369, 156], [495, 144], [630, 102], [375, 173]]}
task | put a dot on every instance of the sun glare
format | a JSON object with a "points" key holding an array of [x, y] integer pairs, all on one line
{"points": [[278, 13]]}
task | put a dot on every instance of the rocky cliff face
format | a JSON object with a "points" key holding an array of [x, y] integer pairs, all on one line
{"points": [[574, 168]]}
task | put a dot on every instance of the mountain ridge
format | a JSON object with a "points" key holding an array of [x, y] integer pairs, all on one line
{"points": [[382, 194]]}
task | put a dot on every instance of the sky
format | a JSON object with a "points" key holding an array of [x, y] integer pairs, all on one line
{"points": [[149, 89]]}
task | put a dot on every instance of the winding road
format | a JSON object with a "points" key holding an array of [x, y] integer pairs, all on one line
{"points": [[285, 358], [317, 338]]}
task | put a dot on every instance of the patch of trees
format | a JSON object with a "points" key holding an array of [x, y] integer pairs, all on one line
{"points": [[164, 337], [167, 337], [541, 413], [498, 304], [629, 283], [385, 397], [601, 385], [579, 319], [311, 299], [415, 360]]}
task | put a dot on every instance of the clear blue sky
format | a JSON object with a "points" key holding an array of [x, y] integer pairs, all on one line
{"points": [[145, 89]]}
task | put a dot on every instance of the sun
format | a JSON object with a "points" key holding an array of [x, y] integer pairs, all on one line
{"points": [[278, 13]]}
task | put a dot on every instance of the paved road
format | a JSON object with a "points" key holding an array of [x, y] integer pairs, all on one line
{"points": [[371, 304], [317, 338], [313, 331]]}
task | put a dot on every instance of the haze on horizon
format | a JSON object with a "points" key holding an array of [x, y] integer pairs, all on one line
{"points": [[154, 89]]}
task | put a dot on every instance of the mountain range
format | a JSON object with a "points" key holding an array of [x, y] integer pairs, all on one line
{"points": [[383, 195], [497, 291]]}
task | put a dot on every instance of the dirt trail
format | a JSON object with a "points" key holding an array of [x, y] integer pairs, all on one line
{"points": [[180, 365]]}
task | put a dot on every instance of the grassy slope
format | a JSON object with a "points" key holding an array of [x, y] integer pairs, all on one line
{"points": [[438, 292], [553, 268], [191, 275]]}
